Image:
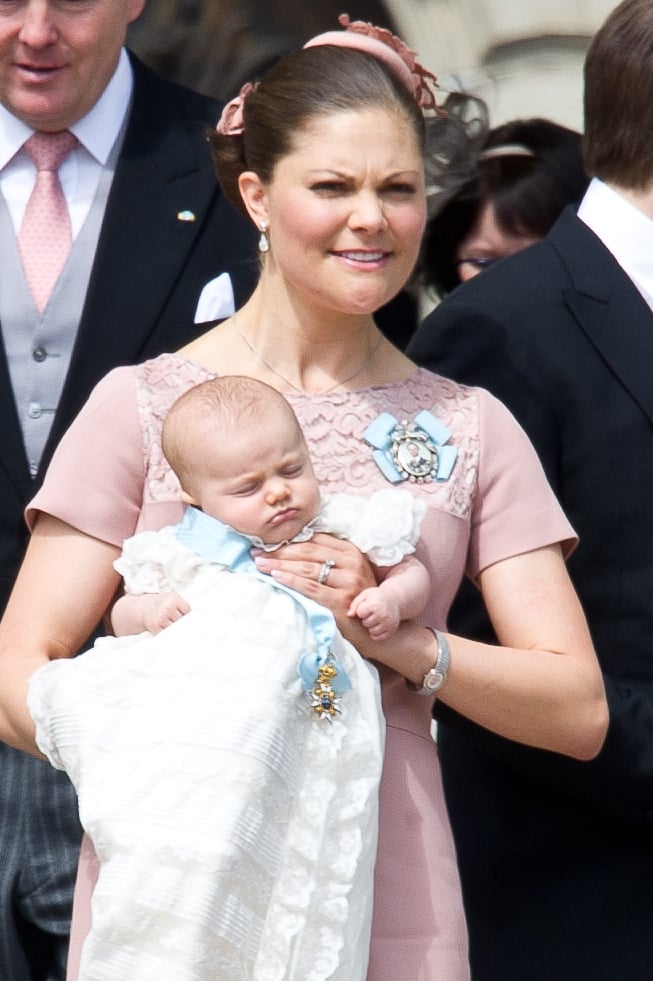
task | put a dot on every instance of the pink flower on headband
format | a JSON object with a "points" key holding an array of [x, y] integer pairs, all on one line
{"points": [[232, 121], [359, 35], [390, 49]]}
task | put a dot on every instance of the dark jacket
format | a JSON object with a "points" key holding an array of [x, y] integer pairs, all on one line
{"points": [[556, 856]]}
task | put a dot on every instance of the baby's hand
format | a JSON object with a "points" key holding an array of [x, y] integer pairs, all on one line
{"points": [[378, 611], [160, 610]]}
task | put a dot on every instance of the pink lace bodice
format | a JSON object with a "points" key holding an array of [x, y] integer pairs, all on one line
{"points": [[333, 425]]}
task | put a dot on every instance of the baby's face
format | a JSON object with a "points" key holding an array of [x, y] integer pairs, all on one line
{"points": [[261, 484]]}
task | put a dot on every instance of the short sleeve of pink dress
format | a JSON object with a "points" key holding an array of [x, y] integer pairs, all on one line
{"points": [[495, 504]]}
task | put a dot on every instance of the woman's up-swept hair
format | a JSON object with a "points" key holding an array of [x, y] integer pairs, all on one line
{"points": [[618, 145], [325, 80]]}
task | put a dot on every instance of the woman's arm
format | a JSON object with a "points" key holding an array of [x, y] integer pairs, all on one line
{"points": [[64, 586], [543, 687]]}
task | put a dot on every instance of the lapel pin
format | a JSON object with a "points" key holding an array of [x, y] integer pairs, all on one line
{"points": [[185, 216]]}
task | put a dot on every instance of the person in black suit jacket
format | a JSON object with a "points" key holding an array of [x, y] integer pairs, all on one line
{"points": [[557, 858], [167, 231]]}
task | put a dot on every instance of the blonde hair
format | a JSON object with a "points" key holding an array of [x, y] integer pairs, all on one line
{"points": [[206, 413]]}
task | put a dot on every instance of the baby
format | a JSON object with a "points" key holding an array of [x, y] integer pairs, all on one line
{"points": [[238, 451], [227, 767]]}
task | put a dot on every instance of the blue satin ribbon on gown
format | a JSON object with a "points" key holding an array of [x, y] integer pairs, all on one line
{"points": [[218, 542]]}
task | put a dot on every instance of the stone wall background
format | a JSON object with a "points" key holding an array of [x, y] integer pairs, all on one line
{"points": [[524, 57]]}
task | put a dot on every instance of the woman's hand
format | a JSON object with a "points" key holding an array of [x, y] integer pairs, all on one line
{"points": [[325, 569]]}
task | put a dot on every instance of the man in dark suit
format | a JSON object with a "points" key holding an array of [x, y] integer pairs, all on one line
{"points": [[556, 857], [150, 230]]}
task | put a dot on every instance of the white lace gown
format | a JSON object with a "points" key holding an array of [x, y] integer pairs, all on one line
{"points": [[236, 831]]}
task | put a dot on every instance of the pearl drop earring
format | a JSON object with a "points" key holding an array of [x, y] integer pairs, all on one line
{"points": [[264, 241]]}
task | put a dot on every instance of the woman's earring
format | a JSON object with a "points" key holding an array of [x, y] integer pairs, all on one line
{"points": [[264, 241]]}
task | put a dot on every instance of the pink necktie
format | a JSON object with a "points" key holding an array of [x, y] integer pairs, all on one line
{"points": [[45, 237]]}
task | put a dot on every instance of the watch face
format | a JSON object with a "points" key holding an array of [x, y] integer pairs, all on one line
{"points": [[433, 680]]}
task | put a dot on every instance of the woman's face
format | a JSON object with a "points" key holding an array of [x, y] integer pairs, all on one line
{"points": [[346, 210], [487, 242]]}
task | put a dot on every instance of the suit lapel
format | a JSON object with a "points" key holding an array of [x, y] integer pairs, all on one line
{"points": [[143, 244], [608, 308]]}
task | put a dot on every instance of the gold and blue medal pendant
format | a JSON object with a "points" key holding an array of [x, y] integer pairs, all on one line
{"points": [[324, 681], [417, 451], [324, 699]]}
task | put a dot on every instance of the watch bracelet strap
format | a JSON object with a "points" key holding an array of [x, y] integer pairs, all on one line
{"points": [[441, 665]]}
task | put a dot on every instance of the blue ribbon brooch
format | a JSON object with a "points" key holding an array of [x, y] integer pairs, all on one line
{"points": [[417, 451]]}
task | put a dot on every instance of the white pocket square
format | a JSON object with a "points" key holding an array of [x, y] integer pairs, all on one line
{"points": [[216, 300]]}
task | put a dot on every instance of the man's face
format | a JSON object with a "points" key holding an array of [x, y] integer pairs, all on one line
{"points": [[57, 56]]}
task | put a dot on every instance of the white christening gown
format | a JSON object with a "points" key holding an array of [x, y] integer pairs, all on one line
{"points": [[235, 827]]}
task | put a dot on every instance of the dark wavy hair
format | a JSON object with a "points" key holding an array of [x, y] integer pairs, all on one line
{"points": [[528, 194]]}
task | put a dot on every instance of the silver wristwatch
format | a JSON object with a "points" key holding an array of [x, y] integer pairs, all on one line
{"points": [[436, 676]]}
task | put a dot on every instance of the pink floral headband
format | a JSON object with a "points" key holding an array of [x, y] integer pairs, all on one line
{"points": [[388, 48], [232, 120], [359, 35]]}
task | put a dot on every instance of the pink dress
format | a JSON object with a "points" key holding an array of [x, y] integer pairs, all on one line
{"points": [[109, 479]]}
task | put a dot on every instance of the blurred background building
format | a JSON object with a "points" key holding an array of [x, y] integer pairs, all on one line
{"points": [[523, 57]]}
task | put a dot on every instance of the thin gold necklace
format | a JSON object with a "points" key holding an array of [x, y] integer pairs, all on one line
{"points": [[324, 391]]}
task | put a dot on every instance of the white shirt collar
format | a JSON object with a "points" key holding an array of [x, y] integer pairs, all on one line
{"points": [[624, 230], [97, 131]]}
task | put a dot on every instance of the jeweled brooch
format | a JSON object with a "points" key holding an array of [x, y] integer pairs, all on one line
{"points": [[417, 451]]}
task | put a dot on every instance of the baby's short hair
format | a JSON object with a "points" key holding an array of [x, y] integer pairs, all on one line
{"points": [[227, 405]]}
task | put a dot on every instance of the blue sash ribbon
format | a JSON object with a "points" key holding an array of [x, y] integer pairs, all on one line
{"points": [[217, 542]]}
